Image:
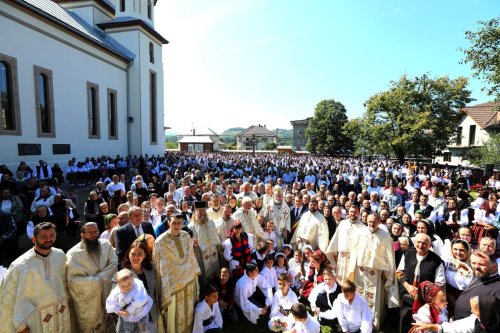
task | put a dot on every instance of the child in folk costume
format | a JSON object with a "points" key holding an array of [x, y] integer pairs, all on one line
{"points": [[207, 316], [322, 298], [304, 322], [352, 310], [295, 270], [131, 302], [281, 263], [284, 298], [269, 234], [269, 272], [287, 251], [431, 304]]}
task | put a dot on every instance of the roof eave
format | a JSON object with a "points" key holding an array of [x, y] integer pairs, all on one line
{"points": [[141, 23], [71, 29]]}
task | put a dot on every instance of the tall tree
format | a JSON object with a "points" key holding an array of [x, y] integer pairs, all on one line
{"points": [[415, 117], [484, 54], [324, 130]]}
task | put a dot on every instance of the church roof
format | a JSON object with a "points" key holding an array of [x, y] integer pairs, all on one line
{"points": [[129, 20], [72, 22], [485, 114]]}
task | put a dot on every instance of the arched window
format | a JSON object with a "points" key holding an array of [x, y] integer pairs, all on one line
{"points": [[93, 110], [151, 53], [6, 105], [150, 10], [43, 103]]}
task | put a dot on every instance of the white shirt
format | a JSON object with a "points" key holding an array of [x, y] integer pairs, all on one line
{"points": [[228, 255], [245, 287], [355, 316], [311, 325], [203, 312], [313, 296], [439, 277]]}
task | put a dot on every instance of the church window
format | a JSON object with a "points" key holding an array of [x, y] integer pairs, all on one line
{"points": [[93, 110], [112, 115], [151, 53], [9, 98], [122, 5], [153, 105], [150, 10], [44, 97]]}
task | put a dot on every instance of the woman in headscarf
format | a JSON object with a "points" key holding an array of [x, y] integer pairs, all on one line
{"points": [[484, 318], [430, 304], [317, 265]]}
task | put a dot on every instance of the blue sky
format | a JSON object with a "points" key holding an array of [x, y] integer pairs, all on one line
{"points": [[245, 62]]}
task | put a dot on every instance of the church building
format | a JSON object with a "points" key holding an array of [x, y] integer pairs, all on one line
{"points": [[79, 78]]}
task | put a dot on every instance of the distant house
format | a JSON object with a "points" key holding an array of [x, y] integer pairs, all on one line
{"points": [[257, 132], [478, 123], [299, 139], [201, 140]]}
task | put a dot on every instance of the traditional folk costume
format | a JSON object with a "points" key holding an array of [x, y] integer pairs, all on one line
{"points": [[238, 252], [33, 294], [252, 296], [207, 318], [355, 316], [270, 275], [341, 245], [312, 230], [250, 225], [89, 283], [178, 272], [280, 311], [136, 302], [375, 271], [323, 297]]}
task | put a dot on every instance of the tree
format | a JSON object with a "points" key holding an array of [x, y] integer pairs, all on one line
{"points": [[416, 117], [484, 54], [487, 153], [324, 130], [270, 146]]}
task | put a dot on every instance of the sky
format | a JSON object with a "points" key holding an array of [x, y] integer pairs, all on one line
{"points": [[237, 63]]}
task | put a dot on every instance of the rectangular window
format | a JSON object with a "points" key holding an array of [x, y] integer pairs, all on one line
{"points": [[93, 110], [472, 135], [112, 115], [459, 136], [10, 122], [150, 10], [44, 98], [153, 111], [446, 157], [122, 5], [151, 53]]}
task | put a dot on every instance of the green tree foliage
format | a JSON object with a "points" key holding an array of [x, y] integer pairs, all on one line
{"points": [[415, 117], [324, 130], [171, 145], [270, 146], [484, 54], [489, 152]]}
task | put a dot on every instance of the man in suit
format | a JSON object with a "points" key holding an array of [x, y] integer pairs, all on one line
{"points": [[296, 212], [126, 234]]}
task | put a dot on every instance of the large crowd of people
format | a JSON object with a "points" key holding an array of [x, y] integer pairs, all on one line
{"points": [[187, 242]]}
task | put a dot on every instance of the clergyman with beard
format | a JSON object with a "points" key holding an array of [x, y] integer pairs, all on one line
{"points": [[206, 242], [33, 294], [91, 265], [279, 213]]}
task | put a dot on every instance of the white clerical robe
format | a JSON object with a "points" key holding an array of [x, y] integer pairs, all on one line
{"points": [[374, 262], [343, 240], [178, 272], [207, 252], [89, 284], [280, 215], [214, 214], [33, 294], [310, 325], [245, 287], [250, 225], [312, 230], [224, 228], [204, 312]]}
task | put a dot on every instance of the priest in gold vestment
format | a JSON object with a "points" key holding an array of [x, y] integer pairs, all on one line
{"points": [[374, 273], [90, 268], [178, 271], [33, 294]]}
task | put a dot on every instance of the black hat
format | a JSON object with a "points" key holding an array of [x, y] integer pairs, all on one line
{"points": [[200, 204]]}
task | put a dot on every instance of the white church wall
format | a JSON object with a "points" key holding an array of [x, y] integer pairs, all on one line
{"points": [[73, 63]]}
